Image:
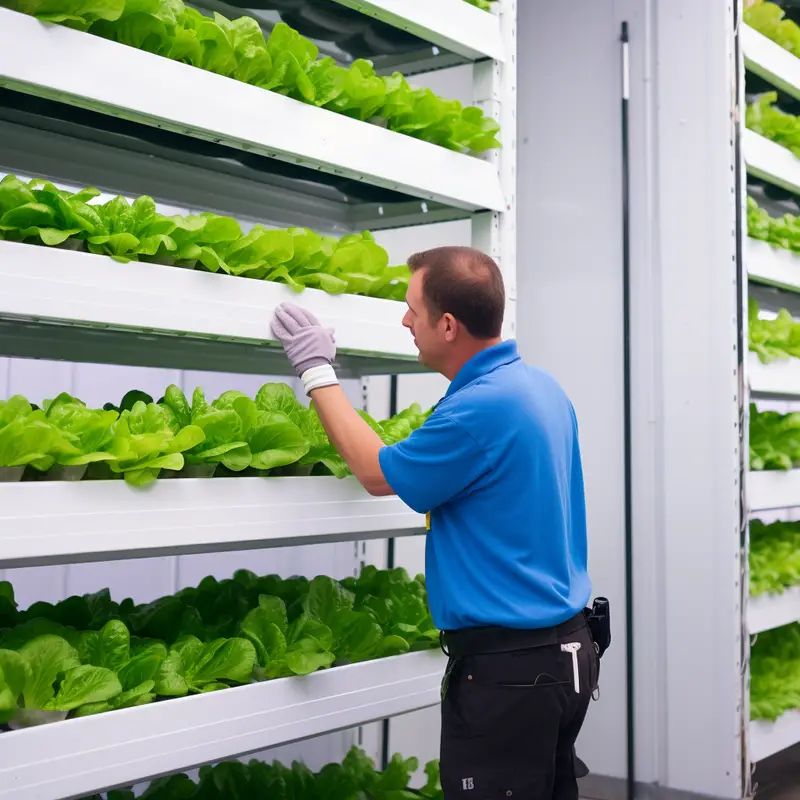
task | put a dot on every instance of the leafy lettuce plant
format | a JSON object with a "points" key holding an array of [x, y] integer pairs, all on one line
{"points": [[283, 648], [765, 118], [774, 557], [224, 429], [195, 667], [274, 438], [46, 674], [25, 435], [399, 604], [39, 212], [768, 19], [783, 232], [772, 339], [135, 667], [774, 440], [148, 439], [82, 435], [775, 673]]}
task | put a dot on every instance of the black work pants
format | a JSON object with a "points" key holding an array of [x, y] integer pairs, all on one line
{"points": [[510, 719]]}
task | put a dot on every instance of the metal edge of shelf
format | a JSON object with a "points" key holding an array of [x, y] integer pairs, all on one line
{"points": [[768, 738], [23, 339], [452, 24], [780, 379], [768, 611], [773, 489], [769, 161], [65, 286], [63, 522], [241, 116], [70, 759], [772, 266], [770, 61]]}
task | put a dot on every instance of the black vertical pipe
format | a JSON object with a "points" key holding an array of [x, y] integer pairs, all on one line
{"points": [[626, 373], [385, 755]]}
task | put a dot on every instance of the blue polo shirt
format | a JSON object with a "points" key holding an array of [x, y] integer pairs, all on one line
{"points": [[498, 466]]}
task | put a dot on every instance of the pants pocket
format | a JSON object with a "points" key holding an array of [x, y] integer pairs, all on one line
{"points": [[542, 680]]}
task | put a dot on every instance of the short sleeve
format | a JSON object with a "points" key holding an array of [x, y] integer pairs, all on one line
{"points": [[434, 464]]}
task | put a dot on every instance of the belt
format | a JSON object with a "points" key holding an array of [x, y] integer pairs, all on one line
{"points": [[482, 641]]}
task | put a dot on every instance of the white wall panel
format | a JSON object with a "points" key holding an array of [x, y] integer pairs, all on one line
{"points": [[569, 285], [97, 384], [142, 580], [39, 379]]}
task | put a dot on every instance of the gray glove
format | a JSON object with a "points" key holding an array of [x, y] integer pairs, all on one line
{"points": [[306, 343]]}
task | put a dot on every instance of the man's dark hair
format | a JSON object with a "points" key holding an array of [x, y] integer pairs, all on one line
{"points": [[466, 283]]}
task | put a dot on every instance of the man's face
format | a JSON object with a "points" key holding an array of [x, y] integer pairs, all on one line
{"points": [[428, 334]]}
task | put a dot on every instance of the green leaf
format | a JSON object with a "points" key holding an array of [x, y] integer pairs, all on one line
{"points": [[84, 684], [275, 441], [267, 638], [47, 656], [357, 636], [326, 597], [138, 696], [170, 679], [78, 14], [15, 674], [176, 400], [143, 665], [192, 665], [303, 662], [110, 647], [272, 397], [230, 660], [392, 646]]}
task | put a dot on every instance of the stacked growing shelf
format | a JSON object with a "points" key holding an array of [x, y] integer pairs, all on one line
{"points": [[120, 131], [775, 269]]}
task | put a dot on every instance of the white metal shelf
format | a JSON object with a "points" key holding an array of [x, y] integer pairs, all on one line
{"points": [[770, 61], [451, 24], [768, 611], [778, 379], [773, 489], [78, 757], [96, 309], [772, 266], [59, 522], [212, 107], [769, 161], [768, 738]]}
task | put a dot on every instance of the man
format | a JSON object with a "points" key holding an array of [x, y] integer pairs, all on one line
{"points": [[497, 467]]}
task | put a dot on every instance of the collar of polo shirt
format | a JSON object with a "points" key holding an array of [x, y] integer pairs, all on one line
{"points": [[484, 362]]}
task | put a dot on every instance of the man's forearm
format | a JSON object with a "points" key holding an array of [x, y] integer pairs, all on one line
{"points": [[355, 441]]}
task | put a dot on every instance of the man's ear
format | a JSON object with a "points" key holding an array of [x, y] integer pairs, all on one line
{"points": [[450, 327]]}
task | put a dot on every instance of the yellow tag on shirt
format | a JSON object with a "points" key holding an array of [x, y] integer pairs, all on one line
{"points": [[428, 521]]}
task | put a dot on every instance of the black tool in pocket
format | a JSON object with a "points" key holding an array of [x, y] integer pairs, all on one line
{"points": [[598, 618]]}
